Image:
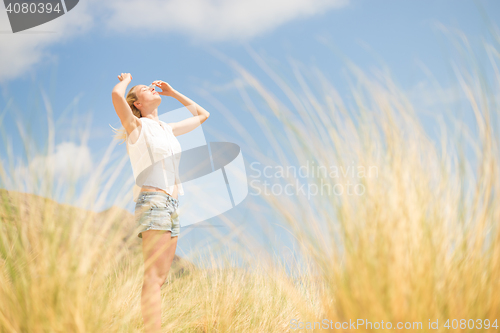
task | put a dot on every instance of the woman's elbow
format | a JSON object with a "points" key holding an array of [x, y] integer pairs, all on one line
{"points": [[115, 94], [205, 117]]}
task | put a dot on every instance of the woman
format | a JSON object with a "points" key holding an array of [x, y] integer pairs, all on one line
{"points": [[158, 200]]}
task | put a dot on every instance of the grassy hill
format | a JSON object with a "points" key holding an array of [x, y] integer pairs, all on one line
{"points": [[112, 222]]}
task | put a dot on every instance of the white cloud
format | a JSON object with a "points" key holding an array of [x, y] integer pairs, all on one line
{"points": [[67, 164], [69, 159], [202, 20], [213, 20]]}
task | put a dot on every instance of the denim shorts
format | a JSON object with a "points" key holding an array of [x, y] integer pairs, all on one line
{"points": [[157, 211]]}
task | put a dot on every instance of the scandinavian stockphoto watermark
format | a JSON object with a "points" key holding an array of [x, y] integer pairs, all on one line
{"points": [[310, 179], [212, 175]]}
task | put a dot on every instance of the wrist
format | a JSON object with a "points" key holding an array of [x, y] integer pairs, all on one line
{"points": [[173, 93]]}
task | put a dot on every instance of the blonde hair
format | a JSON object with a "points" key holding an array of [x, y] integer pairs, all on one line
{"points": [[121, 133]]}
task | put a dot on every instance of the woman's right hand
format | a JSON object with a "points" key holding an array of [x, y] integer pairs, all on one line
{"points": [[125, 76]]}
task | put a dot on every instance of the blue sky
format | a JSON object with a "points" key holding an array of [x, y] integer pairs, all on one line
{"points": [[77, 57]]}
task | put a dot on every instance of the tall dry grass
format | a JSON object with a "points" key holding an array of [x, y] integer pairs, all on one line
{"points": [[420, 243]]}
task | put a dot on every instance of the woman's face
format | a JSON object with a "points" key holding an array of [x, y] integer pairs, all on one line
{"points": [[146, 97]]}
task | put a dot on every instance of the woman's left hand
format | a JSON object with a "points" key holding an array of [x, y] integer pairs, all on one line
{"points": [[166, 89]]}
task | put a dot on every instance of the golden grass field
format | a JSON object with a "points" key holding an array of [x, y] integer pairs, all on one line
{"points": [[422, 242]]}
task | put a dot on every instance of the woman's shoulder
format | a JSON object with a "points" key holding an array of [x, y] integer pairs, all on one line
{"points": [[167, 126], [132, 126], [134, 130]]}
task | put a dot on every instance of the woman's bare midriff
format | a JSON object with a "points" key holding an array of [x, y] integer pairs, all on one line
{"points": [[156, 189]]}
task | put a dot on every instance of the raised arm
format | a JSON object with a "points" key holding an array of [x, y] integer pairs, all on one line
{"points": [[122, 108], [189, 124]]}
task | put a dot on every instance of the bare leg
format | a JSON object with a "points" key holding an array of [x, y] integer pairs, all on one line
{"points": [[158, 251]]}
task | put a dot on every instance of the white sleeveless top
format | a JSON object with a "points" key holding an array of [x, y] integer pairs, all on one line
{"points": [[155, 157]]}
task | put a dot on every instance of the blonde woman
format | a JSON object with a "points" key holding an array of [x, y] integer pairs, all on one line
{"points": [[157, 202]]}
